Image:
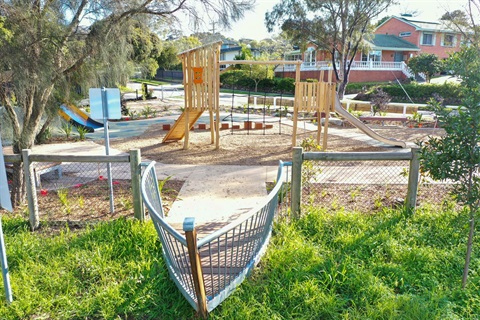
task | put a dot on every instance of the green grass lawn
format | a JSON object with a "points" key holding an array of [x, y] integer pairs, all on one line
{"points": [[324, 266], [149, 81]]}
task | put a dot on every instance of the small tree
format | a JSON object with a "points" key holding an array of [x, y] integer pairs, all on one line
{"points": [[379, 101], [255, 72], [426, 63], [456, 155]]}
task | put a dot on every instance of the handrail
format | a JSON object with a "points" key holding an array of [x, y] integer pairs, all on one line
{"points": [[219, 262], [151, 208]]}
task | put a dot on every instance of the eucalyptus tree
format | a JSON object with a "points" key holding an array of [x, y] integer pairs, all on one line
{"points": [[336, 26], [272, 48], [146, 48], [46, 44], [168, 58]]}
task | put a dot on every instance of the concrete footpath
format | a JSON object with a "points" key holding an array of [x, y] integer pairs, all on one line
{"points": [[219, 194]]}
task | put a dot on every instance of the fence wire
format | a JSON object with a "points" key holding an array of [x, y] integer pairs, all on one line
{"points": [[365, 186], [80, 190]]}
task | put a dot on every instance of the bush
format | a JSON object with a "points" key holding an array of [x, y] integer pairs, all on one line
{"points": [[285, 85], [240, 80], [419, 93], [358, 87], [423, 92]]}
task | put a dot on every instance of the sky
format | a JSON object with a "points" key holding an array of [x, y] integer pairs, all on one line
{"points": [[252, 26]]}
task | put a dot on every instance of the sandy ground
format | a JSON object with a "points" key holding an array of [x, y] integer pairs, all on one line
{"points": [[256, 147]]}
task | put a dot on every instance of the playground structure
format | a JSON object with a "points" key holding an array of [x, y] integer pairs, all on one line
{"points": [[78, 118], [201, 80], [201, 69]]}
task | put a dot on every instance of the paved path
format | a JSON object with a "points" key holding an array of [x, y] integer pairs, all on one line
{"points": [[221, 194]]}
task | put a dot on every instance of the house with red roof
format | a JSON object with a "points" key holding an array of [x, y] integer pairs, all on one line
{"points": [[394, 42]]}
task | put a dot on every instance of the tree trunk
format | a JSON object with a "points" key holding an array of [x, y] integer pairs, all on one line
{"points": [[40, 137], [19, 192], [341, 90], [469, 251]]}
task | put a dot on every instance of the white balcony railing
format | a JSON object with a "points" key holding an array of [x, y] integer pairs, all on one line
{"points": [[356, 65]]}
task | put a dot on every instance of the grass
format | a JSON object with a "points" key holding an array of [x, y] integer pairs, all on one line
{"points": [[356, 266], [341, 265], [150, 82], [113, 270]]}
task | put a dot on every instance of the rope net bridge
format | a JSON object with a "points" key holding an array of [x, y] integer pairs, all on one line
{"points": [[208, 270]]}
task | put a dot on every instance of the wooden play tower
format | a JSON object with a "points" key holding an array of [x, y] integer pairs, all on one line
{"points": [[201, 81], [314, 97]]}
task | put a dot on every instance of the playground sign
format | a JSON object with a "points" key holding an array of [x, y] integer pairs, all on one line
{"points": [[111, 109], [5, 203], [105, 104], [197, 75]]}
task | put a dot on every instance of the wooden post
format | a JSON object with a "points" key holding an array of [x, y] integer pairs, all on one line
{"points": [[296, 102], [135, 171], [31, 190], [195, 263], [217, 95], [188, 91], [321, 107], [413, 177], [297, 161]]}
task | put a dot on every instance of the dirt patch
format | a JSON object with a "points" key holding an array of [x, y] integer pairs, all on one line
{"points": [[252, 147]]}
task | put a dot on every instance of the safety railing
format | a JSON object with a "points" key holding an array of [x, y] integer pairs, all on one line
{"points": [[356, 65], [206, 271]]}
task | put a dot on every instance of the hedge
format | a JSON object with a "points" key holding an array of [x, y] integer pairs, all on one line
{"points": [[240, 80], [419, 93]]}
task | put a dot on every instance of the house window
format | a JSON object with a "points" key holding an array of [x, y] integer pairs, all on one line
{"points": [[448, 40], [310, 56], [427, 39], [404, 34], [372, 56], [293, 57]]}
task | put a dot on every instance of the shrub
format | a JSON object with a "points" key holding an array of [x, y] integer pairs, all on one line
{"points": [[380, 99], [240, 80], [419, 93]]}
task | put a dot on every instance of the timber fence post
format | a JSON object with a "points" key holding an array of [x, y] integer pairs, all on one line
{"points": [[135, 171], [195, 263], [297, 161], [31, 190], [413, 177]]}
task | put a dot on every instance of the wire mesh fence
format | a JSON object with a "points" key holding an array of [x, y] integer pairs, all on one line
{"points": [[365, 186], [73, 188], [82, 190]]}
